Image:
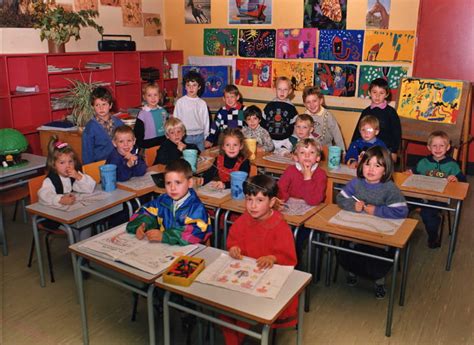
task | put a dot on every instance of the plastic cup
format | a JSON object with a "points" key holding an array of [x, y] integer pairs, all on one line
{"points": [[252, 146], [334, 157], [168, 44], [108, 177], [237, 179], [191, 157]]}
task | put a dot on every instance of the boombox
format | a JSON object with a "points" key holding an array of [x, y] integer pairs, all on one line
{"points": [[116, 45]]}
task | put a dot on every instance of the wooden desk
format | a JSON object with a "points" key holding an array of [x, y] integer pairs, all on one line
{"points": [[269, 166], [398, 241], [254, 309]]}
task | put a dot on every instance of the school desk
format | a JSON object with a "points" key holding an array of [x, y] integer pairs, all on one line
{"points": [[269, 166], [400, 240], [236, 304], [78, 218]]}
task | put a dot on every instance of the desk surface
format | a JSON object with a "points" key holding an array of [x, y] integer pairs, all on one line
{"points": [[144, 188], [35, 162], [262, 310], [270, 166]]}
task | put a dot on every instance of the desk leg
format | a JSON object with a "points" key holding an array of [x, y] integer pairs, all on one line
{"points": [[388, 330], [295, 232], [151, 313], [166, 319], [71, 240], [317, 260], [217, 215], [404, 274], [310, 259], [452, 241], [39, 256], [3, 236], [130, 209], [82, 302], [226, 218], [265, 335], [299, 334]]}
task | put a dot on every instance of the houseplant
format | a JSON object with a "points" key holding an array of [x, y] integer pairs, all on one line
{"points": [[78, 99]]}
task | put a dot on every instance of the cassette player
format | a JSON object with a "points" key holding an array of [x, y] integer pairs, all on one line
{"points": [[112, 43]]}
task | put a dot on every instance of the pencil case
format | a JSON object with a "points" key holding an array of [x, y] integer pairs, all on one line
{"points": [[183, 270]]}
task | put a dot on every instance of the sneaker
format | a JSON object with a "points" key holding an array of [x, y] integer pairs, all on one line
{"points": [[380, 291], [351, 280]]}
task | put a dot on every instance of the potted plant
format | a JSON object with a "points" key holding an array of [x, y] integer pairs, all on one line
{"points": [[78, 99]]}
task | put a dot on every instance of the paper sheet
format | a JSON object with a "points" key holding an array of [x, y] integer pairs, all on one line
{"points": [[139, 182], [83, 200], [207, 190], [279, 159], [296, 207], [345, 170], [364, 221], [426, 182]]}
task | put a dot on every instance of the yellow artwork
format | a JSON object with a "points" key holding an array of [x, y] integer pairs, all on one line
{"points": [[389, 45], [300, 73], [151, 24], [132, 13]]}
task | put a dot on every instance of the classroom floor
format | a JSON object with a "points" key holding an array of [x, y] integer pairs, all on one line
{"points": [[439, 305]]}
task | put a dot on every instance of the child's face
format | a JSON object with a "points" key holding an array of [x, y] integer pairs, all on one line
{"points": [[230, 99], [303, 129], [175, 134], [438, 148], [283, 89], [102, 109], [367, 132], [192, 88], [378, 95], [152, 97], [232, 146], [313, 103], [259, 206], [252, 121], [307, 156], [64, 164], [124, 143], [177, 185], [372, 170]]}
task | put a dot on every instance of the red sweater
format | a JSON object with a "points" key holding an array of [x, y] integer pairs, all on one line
{"points": [[292, 184]]}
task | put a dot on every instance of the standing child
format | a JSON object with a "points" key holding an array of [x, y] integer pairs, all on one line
{"points": [[390, 128], [192, 110], [149, 127], [253, 130], [97, 136], [125, 156], [374, 193], [304, 126]]}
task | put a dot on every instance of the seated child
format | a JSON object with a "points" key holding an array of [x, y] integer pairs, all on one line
{"points": [[125, 156], [176, 217], [231, 115], [172, 148], [369, 129], [149, 127], [304, 126], [263, 234], [374, 193], [98, 133], [253, 130]]}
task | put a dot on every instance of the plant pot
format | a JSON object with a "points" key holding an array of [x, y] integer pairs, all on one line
{"points": [[55, 48]]}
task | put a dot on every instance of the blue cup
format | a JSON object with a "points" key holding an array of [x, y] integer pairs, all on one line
{"points": [[191, 157], [237, 179], [334, 157], [108, 177]]}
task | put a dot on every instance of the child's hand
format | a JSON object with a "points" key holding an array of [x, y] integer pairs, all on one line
{"points": [[394, 156], [369, 209], [181, 146], [307, 173], [353, 164], [74, 174], [67, 199], [207, 144], [217, 184], [132, 161], [452, 178], [235, 253], [260, 149], [198, 181], [140, 233], [408, 172], [154, 235], [359, 206], [266, 261]]}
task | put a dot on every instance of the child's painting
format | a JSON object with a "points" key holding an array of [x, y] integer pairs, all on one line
{"points": [[389, 45], [86, 5], [257, 43], [151, 24], [392, 74], [250, 11], [253, 72], [378, 14], [300, 73], [197, 11], [296, 43], [340, 45], [221, 42], [335, 79], [115, 3], [132, 13], [215, 79], [325, 14]]}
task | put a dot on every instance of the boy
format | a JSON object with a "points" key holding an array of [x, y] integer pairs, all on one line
{"points": [[192, 110], [231, 115], [177, 217], [253, 130], [304, 126], [369, 129], [98, 133], [125, 156]]}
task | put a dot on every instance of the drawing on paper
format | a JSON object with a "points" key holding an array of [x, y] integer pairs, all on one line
{"points": [[300, 73], [325, 14], [340, 45], [197, 11], [389, 45], [215, 79], [220, 42], [257, 43], [115, 3], [364, 221], [436, 182], [335, 79], [132, 13], [296, 43], [250, 12], [151, 24], [252, 72], [392, 74], [378, 14], [86, 5]]}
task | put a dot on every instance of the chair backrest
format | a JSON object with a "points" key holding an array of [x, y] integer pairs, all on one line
{"points": [[324, 152], [329, 192], [150, 155], [92, 169], [34, 185]]}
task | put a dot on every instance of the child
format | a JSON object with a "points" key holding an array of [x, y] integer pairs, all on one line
{"points": [[374, 193], [263, 234], [437, 164], [231, 115], [125, 157], [192, 110], [326, 129], [172, 148], [253, 130], [149, 127], [97, 136], [304, 126], [390, 128], [64, 177], [176, 217], [279, 114], [233, 156], [369, 129]]}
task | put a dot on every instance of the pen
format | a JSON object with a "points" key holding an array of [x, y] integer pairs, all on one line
{"points": [[353, 197]]}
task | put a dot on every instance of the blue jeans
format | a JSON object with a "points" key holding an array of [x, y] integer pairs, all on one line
{"points": [[197, 139]]}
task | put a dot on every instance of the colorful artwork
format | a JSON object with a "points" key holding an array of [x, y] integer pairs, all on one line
{"points": [[197, 11], [86, 5], [250, 11], [389, 45], [251, 72], [115, 3], [392, 74], [340, 45], [335, 79], [430, 100], [377, 14], [220, 42], [296, 43], [257, 43], [300, 73], [151, 24], [132, 13], [215, 79], [325, 14]]}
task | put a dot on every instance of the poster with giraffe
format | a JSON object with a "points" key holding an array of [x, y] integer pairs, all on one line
{"points": [[389, 45], [340, 45], [378, 14]]}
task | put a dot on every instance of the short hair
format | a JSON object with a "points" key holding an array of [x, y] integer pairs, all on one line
{"points": [[305, 117], [253, 110], [57, 148], [179, 166], [383, 158], [261, 183], [285, 79], [237, 133], [308, 142], [150, 85], [174, 122], [102, 93], [312, 90], [124, 129], [438, 134], [232, 89], [382, 83], [369, 120], [195, 76]]}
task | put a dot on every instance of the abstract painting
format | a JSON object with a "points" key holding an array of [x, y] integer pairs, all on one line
{"points": [[86, 5], [378, 14], [197, 11], [215, 79], [392, 74], [257, 43], [151, 24], [340, 45], [253, 72], [300, 73], [132, 13], [115, 3], [250, 11], [335, 79], [325, 14], [221, 42], [296, 43], [389, 45]]}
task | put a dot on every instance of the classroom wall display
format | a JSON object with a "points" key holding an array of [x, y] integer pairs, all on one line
{"points": [[80, 5], [132, 13], [300, 73], [220, 42], [215, 79], [325, 14], [389, 45], [253, 72], [392, 74], [340, 45], [378, 14], [257, 43], [115, 3], [335, 79], [151, 24], [250, 11], [296, 43], [197, 11]]}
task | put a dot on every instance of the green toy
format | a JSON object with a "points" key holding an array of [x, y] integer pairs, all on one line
{"points": [[12, 144]]}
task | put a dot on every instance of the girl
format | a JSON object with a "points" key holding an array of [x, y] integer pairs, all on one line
{"points": [[149, 127], [374, 193], [63, 178]]}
